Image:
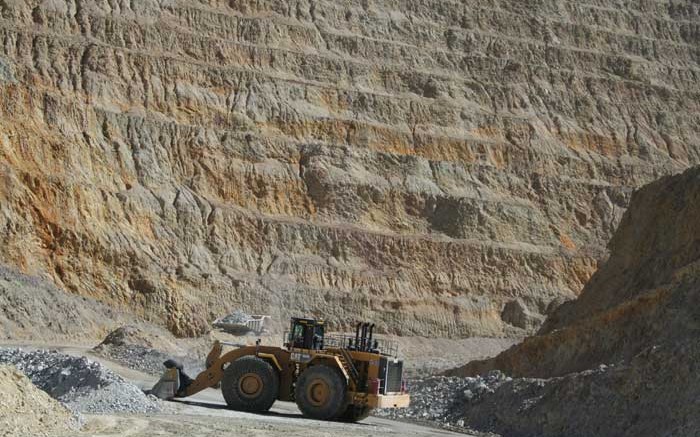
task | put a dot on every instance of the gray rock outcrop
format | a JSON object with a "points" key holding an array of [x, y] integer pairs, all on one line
{"points": [[623, 358]]}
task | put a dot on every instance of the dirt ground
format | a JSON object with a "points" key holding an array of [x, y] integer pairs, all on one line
{"points": [[22, 403], [206, 415], [208, 426]]}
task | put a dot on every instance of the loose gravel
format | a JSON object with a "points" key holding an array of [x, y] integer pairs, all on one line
{"points": [[440, 400], [235, 317], [131, 347], [135, 357], [145, 359], [79, 383]]}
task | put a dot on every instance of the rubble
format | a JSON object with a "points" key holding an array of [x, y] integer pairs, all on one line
{"points": [[236, 317], [147, 360], [440, 399], [129, 346], [134, 357], [239, 323], [79, 383]]}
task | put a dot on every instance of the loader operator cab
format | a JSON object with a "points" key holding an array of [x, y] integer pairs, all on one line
{"points": [[306, 334]]}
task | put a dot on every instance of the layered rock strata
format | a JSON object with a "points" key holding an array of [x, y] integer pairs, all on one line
{"points": [[443, 168], [645, 297]]}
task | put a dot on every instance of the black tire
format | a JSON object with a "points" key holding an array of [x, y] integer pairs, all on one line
{"points": [[321, 393], [250, 384], [353, 414]]}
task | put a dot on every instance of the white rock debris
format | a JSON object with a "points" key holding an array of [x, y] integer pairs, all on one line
{"points": [[79, 383]]}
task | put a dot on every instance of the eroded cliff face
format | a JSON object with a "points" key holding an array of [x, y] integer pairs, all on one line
{"points": [[424, 164], [644, 301]]}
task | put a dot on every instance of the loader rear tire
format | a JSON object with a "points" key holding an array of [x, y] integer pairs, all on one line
{"points": [[321, 393], [250, 384], [353, 414]]}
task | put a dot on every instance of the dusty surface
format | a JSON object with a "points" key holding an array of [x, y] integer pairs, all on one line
{"points": [[26, 410], [212, 420], [418, 163]]}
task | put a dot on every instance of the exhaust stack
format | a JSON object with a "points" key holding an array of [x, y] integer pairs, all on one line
{"points": [[357, 336], [369, 340], [364, 335]]}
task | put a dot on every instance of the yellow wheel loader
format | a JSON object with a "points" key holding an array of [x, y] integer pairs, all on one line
{"points": [[330, 377]]}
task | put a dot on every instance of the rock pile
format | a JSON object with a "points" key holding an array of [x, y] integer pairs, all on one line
{"points": [[26, 410], [653, 394], [33, 308], [239, 323], [441, 399], [236, 317], [135, 357], [645, 294], [79, 383], [129, 346]]}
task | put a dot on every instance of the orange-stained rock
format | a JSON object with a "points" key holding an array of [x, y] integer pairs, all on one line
{"points": [[417, 163]]}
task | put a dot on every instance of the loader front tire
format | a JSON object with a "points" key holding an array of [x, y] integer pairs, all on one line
{"points": [[250, 384], [321, 393]]}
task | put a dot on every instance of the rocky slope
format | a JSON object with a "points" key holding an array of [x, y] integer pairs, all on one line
{"points": [[620, 360], [444, 168], [645, 295], [653, 394], [33, 310]]}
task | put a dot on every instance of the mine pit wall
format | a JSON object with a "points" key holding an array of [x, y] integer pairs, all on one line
{"points": [[644, 301], [418, 163]]}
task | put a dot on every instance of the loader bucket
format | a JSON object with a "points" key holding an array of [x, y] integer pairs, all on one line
{"points": [[167, 386]]}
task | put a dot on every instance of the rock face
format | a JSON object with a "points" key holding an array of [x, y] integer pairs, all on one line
{"points": [[621, 360], [420, 163], [647, 294], [34, 309]]}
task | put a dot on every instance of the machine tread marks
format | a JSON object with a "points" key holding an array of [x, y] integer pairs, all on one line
{"points": [[353, 413], [332, 403], [258, 372]]}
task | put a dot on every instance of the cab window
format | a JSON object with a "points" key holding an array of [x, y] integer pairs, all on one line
{"points": [[298, 336]]}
